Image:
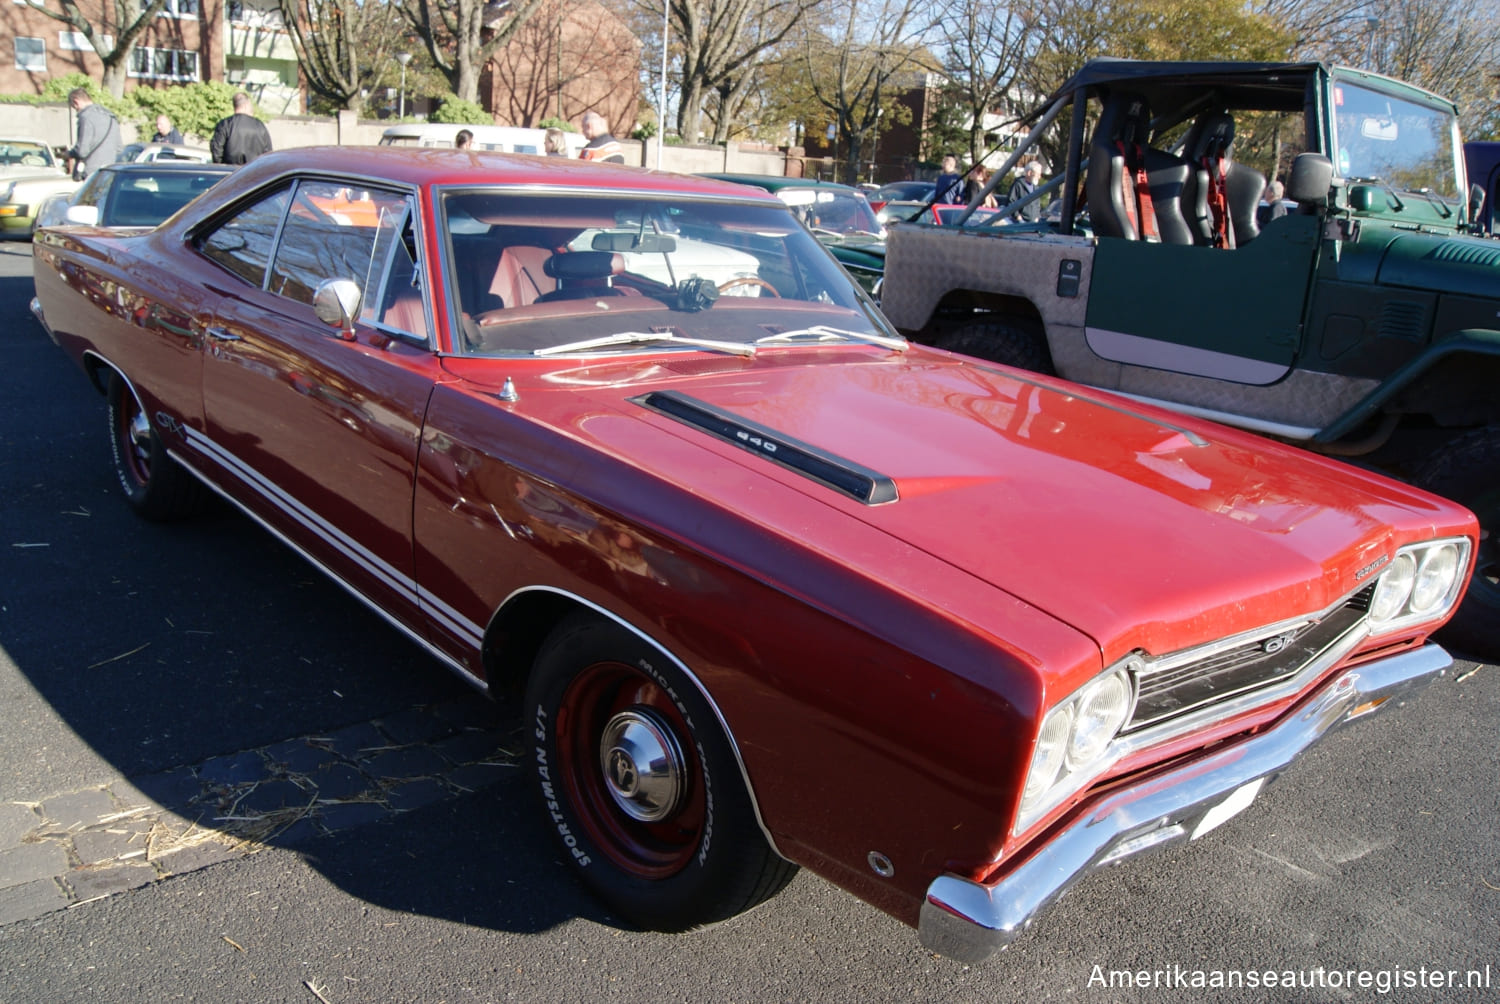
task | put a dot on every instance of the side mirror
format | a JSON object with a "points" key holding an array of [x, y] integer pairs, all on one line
{"points": [[1476, 202], [336, 302], [87, 215], [1311, 180]]}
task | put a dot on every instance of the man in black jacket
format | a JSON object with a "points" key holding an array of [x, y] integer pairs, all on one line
{"points": [[241, 137]]}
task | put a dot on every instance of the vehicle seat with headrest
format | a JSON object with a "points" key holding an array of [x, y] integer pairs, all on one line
{"points": [[1222, 194], [582, 274], [1119, 206]]}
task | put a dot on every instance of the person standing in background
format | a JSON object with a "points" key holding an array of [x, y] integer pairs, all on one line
{"points": [[166, 132], [1024, 186], [463, 140], [950, 184], [555, 143], [98, 136], [241, 137], [601, 146]]}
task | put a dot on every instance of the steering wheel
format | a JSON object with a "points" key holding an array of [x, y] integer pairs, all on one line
{"points": [[749, 280]]}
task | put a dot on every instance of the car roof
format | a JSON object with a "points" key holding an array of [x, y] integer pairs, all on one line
{"points": [[165, 166], [775, 183], [1271, 86], [428, 166]]}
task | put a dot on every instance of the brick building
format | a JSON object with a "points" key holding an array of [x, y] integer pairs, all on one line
{"points": [[240, 42]]}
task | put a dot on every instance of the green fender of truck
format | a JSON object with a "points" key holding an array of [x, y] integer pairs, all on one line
{"points": [[1470, 341]]}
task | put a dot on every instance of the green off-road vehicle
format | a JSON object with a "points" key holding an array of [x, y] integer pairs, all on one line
{"points": [[1360, 318]]}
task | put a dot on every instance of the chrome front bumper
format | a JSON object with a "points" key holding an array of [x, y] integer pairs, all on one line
{"points": [[967, 921]]}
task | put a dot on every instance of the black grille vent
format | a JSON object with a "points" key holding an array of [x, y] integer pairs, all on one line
{"points": [[1403, 319], [1165, 694]]}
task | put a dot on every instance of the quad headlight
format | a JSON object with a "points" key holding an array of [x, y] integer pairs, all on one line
{"points": [[1421, 584], [1073, 742]]}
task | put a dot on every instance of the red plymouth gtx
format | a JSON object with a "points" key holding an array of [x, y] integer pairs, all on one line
{"points": [[780, 589]]}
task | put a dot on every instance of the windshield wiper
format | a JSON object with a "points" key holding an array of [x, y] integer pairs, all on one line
{"points": [[821, 333], [1426, 193], [644, 338]]}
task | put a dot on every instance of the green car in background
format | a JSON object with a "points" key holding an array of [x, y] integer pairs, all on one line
{"points": [[838, 215]]}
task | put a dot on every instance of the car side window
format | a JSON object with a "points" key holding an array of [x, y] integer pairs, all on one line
{"points": [[331, 232], [243, 243], [395, 299]]}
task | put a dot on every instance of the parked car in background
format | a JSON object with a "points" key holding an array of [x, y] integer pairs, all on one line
{"points": [[1483, 162], [133, 195], [136, 153], [779, 587], [29, 173], [838, 215]]}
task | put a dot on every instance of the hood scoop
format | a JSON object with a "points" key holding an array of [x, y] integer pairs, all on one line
{"points": [[843, 476]]}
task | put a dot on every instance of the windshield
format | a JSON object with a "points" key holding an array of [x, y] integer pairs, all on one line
{"points": [[20, 153], [832, 210], [538, 271], [1383, 138]]}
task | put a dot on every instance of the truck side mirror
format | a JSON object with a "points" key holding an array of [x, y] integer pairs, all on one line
{"points": [[1311, 180], [1476, 202]]}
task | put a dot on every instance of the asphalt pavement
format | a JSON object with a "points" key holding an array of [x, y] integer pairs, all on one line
{"points": [[222, 779]]}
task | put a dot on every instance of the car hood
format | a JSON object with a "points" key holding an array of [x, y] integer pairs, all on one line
{"points": [[1138, 528]]}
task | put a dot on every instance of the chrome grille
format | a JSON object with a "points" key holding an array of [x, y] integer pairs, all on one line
{"points": [[1179, 683]]}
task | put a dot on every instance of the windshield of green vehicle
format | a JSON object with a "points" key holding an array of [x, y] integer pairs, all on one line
{"points": [[1383, 138], [539, 271]]}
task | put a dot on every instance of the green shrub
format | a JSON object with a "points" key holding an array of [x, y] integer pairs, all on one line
{"points": [[553, 122], [193, 108], [456, 111]]}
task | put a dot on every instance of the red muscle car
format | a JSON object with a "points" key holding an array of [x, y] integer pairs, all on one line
{"points": [[780, 589]]}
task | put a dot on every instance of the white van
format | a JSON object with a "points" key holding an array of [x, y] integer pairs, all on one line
{"points": [[511, 139]]}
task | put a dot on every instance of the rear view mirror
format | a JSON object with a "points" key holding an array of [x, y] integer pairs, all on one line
{"points": [[1310, 180], [644, 243], [1381, 129]]}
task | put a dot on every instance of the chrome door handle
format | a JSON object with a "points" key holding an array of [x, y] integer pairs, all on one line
{"points": [[218, 334]]}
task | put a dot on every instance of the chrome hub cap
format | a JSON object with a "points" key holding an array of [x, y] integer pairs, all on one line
{"points": [[642, 765]]}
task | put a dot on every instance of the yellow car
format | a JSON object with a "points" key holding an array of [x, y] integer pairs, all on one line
{"points": [[29, 173]]}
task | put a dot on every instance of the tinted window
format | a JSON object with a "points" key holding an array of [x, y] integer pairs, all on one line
{"points": [[243, 243], [331, 232]]}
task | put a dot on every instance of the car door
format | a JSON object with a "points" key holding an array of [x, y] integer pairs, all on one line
{"points": [[1228, 314], [319, 428]]}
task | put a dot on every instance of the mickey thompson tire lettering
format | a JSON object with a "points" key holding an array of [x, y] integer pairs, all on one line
{"points": [[671, 842]]}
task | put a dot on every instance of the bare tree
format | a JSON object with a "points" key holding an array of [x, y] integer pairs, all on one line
{"points": [[115, 39], [851, 72], [462, 35], [720, 43], [561, 59], [985, 43], [1452, 48], [343, 49]]}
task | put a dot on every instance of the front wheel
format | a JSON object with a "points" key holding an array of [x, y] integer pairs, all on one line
{"points": [[640, 785], [1467, 470], [155, 485]]}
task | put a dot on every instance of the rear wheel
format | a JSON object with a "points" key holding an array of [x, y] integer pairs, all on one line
{"points": [[156, 485], [1467, 470], [1010, 341], [640, 785]]}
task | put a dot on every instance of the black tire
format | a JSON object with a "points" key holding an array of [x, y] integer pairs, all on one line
{"points": [[155, 485], [688, 850], [1010, 341], [1467, 470]]}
